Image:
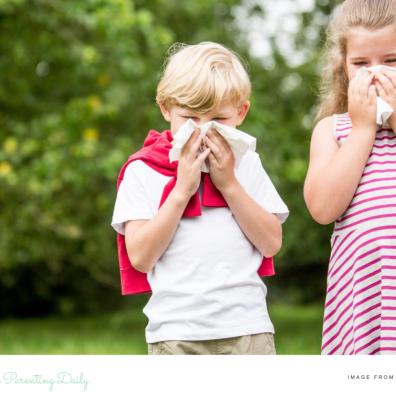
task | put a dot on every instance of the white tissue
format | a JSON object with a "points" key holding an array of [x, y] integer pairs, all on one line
{"points": [[384, 109], [240, 142]]}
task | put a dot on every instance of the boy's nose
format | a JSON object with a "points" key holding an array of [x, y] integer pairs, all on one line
{"points": [[202, 121]]}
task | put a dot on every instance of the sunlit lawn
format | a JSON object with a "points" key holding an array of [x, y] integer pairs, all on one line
{"points": [[298, 331]]}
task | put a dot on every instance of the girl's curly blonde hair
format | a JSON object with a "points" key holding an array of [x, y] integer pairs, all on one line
{"points": [[370, 14]]}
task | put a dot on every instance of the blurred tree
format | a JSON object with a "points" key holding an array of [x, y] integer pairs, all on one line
{"points": [[284, 104], [77, 96]]}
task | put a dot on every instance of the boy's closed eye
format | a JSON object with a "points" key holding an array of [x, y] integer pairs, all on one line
{"points": [[192, 117]]}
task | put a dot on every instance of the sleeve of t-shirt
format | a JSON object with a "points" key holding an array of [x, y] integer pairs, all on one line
{"points": [[263, 191], [132, 202]]}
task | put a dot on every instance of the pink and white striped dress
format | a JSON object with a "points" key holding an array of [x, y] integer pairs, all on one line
{"points": [[360, 310]]}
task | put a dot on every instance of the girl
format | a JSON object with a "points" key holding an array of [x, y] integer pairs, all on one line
{"points": [[351, 179]]}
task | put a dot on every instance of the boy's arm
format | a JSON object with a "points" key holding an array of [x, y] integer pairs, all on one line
{"points": [[263, 229], [146, 240]]}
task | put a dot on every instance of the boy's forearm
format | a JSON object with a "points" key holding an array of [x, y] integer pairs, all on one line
{"points": [[151, 240], [262, 228]]}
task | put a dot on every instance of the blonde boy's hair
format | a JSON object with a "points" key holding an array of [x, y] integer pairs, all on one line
{"points": [[202, 76], [369, 14]]}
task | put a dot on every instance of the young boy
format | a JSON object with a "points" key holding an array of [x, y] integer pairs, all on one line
{"points": [[201, 260]]}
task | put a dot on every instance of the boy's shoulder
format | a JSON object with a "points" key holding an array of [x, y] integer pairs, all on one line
{"points": [[132, 168], [248, 162], [250, 169], [135, 170], [250, 157], [136, 166]]}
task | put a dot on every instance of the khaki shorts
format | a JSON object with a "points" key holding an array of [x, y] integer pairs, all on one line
{"points": [[255, 344]]}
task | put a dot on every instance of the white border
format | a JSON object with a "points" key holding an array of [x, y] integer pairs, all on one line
{"points": [[197, 375]]}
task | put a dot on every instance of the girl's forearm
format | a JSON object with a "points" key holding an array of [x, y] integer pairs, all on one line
{"points": [[150, 241], [330, 190], [262, 228]]}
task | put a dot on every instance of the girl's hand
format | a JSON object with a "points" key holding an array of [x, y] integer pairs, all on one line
{"points": [[385, 83], [362, 104], [221, 160], [190, 163]]}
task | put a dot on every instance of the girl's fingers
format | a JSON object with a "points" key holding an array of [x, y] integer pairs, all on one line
{"points": [[372, 94], [359, 86], [391, 76], [365, 85], [354, 86], [385, 83], [380, 89]]}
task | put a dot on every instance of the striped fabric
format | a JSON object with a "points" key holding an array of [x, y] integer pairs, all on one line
{"points": [[360, 309]]}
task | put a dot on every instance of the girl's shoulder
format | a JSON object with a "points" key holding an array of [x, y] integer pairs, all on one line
{"points": [[324, 128], [335, 127], [323, 138]]}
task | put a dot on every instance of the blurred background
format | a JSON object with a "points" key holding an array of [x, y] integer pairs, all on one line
{"points": [[77, 97]]}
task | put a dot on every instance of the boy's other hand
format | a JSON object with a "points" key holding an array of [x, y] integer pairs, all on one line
{"points": [[221, 160], [190, 164]]}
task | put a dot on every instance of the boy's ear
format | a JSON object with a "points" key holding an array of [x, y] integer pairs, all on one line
{"points": [[165, 112], [242, 111]]}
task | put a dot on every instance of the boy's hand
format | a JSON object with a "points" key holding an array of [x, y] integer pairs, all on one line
{"points": [[385, 83], [221, 160], [362, 102], [190, 163]]}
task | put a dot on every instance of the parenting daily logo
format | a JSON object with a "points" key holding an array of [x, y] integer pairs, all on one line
{"points": [[62, 378]]}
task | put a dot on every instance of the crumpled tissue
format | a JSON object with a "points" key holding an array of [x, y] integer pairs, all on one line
{"points": [[240, 142], [384, 109]]}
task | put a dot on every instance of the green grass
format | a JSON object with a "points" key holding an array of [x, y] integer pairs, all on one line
{"points": [[298, 331]]}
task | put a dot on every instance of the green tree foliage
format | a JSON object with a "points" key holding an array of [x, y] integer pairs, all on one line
{"points": [[284, 108], [77, 96], [77, 89]]}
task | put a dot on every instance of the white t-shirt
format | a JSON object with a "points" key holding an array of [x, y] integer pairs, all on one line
{"points": [[205, 285]]}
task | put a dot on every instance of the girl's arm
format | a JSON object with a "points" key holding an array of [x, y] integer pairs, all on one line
{"points": [[146, 240], [334, 173]]}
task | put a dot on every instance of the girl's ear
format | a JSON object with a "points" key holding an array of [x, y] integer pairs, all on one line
{"points": [[165, 112], [243, 109]]}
